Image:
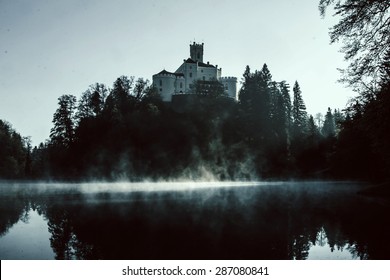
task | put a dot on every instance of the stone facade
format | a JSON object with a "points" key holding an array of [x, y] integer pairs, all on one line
{"points": [[192, 69]]}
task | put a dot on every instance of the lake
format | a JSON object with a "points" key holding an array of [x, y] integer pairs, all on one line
{"points": [[217, 220]]}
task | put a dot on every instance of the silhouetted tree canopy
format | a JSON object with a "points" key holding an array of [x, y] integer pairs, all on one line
{"points": [[212, 88], [91, 102], [299, 114], [364, 29], [14, 153], [128, 132], [329, 124], [64, 120], [362, 147]]}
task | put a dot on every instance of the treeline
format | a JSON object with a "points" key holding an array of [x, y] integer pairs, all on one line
{"points": [[283, 140], [15, 160], [127, 132], [363, 146], [362, 149]]}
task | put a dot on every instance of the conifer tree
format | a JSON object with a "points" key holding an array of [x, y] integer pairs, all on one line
{"points": [[299, 114], [328, 130], [312, 129], [278, 112], [13, 152], [120, 101], [91, 102], [62, 134], [338, 120], [285, 92]]}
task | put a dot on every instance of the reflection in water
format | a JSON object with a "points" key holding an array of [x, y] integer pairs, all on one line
{"points": [[268, 221], [16, 245], [322, 250]]}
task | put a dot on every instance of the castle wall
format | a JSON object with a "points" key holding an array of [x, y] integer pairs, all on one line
{"points": [[165, 85], [190, 73], [207, 73], [180, 85], [193, 69], [219, 73], [230, 85]]}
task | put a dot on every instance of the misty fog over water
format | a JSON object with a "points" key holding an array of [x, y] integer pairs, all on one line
{"points": [[197, 220]]}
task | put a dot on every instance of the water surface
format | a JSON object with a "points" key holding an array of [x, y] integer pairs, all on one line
{"points": [[252, 220]]}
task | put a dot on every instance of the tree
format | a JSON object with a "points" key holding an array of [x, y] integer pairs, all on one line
{"points": [[64, 120], [338, 120], [319, 118], [312, 129], [140, 88], [255, 98], [279, 113], [364, 31], [28, 160], [151, 100], [120, 101], [299, 114], [40, 161], [329, 129], [285, 91], [92, 101], [213, 88], [12, 152]]}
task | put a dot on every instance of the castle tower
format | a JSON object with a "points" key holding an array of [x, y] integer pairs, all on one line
{"points": [[230, 86], [196, 52]]}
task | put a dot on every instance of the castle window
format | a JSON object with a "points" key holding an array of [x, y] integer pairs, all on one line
{"points": [[181, 84], [190, 74], [201, 70], [204, 78], [160, 83], [160, 89]]}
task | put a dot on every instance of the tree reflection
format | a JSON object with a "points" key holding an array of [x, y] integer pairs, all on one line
{"points": [[301, 248], [62, 235], [64, 240], [245, 223], [12, 209]]}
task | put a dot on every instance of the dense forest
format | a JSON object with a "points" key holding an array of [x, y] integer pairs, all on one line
{"points": [[126, 132], [15, 153]]}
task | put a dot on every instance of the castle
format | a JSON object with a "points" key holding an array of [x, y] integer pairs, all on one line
{"points": [[179, 82]]}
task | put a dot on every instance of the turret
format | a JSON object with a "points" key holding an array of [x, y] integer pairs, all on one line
{"points": [[230, 85], [196, 52]]}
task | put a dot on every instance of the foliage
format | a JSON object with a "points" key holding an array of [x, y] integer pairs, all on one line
{"points": [[211, 88], [91, 103], [62, 134], [364, 30], [13, 153], [329, 130], [362, 150], [299, 114], [127, 132]]}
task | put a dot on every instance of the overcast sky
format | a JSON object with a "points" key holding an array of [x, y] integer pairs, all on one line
{"points": [[49, 48]]}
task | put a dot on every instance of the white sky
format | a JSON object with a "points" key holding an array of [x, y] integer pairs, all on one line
{"points": [[49, 48]]}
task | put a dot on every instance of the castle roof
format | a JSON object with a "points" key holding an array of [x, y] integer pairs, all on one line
{"points": [[201, 64], [189, 60], [165, 72]]}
